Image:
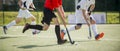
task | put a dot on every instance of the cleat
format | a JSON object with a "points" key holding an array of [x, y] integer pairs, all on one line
{"points": [[97, 37], [35, 32], [62, 42], [26, 27], [62, 34], [4, 29]]}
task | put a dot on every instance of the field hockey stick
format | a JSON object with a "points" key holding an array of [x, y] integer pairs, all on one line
{"points": [[72, 42], [89, 21], [90, 34]]}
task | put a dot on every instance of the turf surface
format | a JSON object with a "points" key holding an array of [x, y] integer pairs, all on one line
{"points": [[15, 40]]}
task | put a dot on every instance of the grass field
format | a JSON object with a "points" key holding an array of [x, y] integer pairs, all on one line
{"points": [[46, 41]]}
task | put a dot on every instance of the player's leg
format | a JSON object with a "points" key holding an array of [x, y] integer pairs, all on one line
{"points": [[50, 16], [78, 25], [45, 27], [20, 15], [72, 28], [14, 22], [28, 26], [94, 29], [45, 21], [93, 26], [33, 22], [57, 31]]}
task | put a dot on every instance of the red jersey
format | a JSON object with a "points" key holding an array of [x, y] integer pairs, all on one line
{"points": [[52, 4]]}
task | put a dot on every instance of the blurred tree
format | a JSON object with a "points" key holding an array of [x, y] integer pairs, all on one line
{"points": [[69, 5]]}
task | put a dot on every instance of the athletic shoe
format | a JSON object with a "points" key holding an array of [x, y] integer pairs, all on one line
{"points": [[36, 32], [97, 37], [4, 29], [62, 34], [62, 42], [26, 27]]}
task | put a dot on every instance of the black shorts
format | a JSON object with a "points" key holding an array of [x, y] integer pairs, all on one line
{"points": [[48, 15]]}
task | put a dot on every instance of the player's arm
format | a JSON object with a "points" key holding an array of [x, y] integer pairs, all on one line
{"points": [[20, 3], [92, 6], [61, 13], [61, 10], [59, 7], [32, 7], [85, 16]]}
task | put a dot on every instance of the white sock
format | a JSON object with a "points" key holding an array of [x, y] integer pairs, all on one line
{"points": [[33, 23], [94, 29], [11, 24], [70, 29]]}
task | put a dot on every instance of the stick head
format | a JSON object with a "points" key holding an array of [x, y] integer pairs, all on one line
{"points": [[73, 42], [89, 37]]}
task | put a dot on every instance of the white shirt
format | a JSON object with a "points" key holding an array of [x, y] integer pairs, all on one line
{"points": [[26, 3], [85, 4]]}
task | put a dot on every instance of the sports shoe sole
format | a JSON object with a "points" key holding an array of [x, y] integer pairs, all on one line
{"points": [[100, 36], [4, 29]]}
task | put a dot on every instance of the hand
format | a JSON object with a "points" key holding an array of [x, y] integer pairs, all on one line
{"points": [[88, 23], [88, 19], [31, 8]]}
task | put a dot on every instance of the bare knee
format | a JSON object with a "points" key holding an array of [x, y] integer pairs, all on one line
{"points": [[17, 20], [45, 27], [93, 22], [55, 20], [33, 18]]}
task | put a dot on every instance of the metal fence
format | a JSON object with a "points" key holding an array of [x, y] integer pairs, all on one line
{"points": [[111, 8]]}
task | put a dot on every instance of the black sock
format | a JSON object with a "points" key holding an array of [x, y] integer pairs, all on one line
{"points": [[38, 27], [57, 31]]}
